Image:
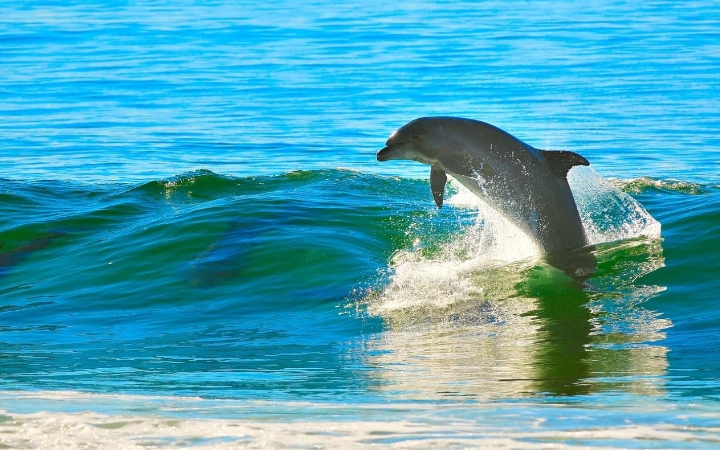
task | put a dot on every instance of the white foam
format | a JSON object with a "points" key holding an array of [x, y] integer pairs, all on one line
{"points": [[363, 426]]}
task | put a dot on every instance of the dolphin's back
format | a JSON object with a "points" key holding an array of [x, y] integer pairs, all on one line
{"points": [[527, 185]]}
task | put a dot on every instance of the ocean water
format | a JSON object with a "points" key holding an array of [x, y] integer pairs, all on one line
{"points": [[199, 248]]}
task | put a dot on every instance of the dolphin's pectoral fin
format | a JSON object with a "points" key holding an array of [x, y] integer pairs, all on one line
{"points": [[561, 161], [437, 184]]}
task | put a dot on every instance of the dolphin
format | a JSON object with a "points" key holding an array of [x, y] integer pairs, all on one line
{"points": [[229, 256], [526, 185], [11, 258]]}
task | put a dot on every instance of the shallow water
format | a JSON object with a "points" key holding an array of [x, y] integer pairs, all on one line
{"points": [[200, 249]]}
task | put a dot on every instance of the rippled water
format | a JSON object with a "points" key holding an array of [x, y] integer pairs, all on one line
{"points": [[199, 247]]}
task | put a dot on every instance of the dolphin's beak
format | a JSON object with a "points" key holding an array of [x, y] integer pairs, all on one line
{"points": [[384, 154]]}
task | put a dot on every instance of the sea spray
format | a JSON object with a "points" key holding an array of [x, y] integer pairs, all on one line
{"points": [[607, 213], [494, 245]]}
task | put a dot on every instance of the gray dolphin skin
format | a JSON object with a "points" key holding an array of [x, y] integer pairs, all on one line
{"points": [[526, 185]]}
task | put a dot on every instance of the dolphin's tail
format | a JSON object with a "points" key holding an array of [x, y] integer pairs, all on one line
{"points": [[579, 264]]}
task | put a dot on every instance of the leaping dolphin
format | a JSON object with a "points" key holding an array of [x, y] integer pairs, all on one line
{"points": [[527, 185]]}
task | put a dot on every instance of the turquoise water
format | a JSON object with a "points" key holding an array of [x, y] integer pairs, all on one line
{"points": [[199, 247]]}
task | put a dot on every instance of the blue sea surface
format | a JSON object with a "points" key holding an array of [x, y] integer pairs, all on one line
{"points": [[199, 248]]}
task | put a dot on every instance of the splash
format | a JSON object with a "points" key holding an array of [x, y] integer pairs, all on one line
{"points": [[495, 247], [608, 214], [482, 316], [439, 280]]}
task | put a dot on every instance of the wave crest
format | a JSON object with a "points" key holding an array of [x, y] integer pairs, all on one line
{"points": [[643, 184]]}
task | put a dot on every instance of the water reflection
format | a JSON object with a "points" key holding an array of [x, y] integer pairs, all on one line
{"points": [[525, 331]]}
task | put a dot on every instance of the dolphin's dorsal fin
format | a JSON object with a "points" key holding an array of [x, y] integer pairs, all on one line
{"points": [[560, 161], [437, 184]]}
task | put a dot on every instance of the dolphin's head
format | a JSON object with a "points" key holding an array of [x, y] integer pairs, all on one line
{"points": [[410, 142]]}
